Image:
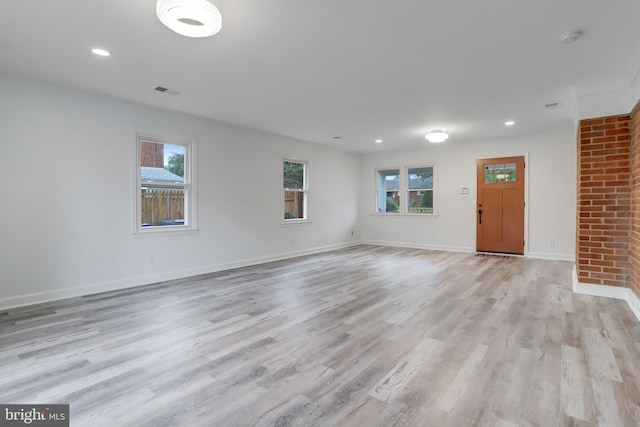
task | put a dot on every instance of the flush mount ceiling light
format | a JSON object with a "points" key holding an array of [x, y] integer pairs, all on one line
{"points": [[437, 135], [509, 123], [190, 18], [571, 36]]}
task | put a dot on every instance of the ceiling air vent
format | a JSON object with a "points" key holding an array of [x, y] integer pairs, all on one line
{"points": [[166, 90], [552, 105]]}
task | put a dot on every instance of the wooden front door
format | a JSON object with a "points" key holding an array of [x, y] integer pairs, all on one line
{"points": [[500, 209]]}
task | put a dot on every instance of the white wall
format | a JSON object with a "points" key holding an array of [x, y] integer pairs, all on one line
{"points": [[66, 210], [603, 104], [551, 186], [634, 92]]}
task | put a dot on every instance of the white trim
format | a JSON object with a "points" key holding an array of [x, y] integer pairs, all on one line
{"points": [[551, 256], [168, 230], [80, 291], [402, 215], [294, 222], [614, 292], [445, 248]]}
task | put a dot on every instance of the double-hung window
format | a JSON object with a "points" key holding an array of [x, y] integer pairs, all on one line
{"points": [[388, 190], [406, 190], [420, 190], [165, 194], [295, 190]]}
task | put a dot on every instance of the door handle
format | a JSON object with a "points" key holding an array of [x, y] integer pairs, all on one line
{"points": [[480, 216]]}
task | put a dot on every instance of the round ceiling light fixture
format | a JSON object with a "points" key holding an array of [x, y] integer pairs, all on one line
{"points": [[571, 36], [437, 135], [190, 18]]}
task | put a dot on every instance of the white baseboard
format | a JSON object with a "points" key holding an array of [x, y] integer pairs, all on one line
{"points": [[418, 246], [615, 292], [465, 249], [551, 256], [48, 296]]}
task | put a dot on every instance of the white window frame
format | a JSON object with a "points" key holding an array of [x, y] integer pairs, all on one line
{"points": [[379, 190], [190, 194], [304, 190], [403, 191], [407, 190]]}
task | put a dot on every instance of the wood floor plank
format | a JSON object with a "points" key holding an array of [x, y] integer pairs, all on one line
{"points": [[405, 369], [577, 395], [363, 336]]}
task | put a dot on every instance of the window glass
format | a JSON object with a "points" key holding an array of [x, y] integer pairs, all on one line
{"points": [[388, 190], [164, 191], [294, 184], [420, 194]]}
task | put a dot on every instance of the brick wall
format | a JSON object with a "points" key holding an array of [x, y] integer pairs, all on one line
{"points": [[634, 273], [603, 212], [151, 154]]}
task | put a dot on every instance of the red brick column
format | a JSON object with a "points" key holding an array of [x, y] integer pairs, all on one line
{"points": [[634, 273], [603, 201]]}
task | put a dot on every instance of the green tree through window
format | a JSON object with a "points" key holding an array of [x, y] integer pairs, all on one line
{"points": [[175, 164]]}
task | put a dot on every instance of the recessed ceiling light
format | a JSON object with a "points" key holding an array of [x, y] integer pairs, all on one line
{"points": [[437, 135], [337, 137], [100, 52], [378, 141], [509, 123]]}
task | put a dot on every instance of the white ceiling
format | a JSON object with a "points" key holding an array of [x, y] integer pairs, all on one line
{"points": [[359, 69]]}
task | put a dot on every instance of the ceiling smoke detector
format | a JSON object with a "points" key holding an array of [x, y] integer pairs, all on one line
{"points": [[571, 37]]}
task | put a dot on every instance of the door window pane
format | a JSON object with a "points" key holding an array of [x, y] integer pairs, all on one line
{"points": [[500, 173], [489, 173], [510, 171]]}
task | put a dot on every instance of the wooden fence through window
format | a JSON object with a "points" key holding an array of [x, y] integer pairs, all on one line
{"points": [[293, 204], [158, 204]]}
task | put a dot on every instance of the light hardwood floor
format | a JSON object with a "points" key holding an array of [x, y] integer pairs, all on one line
{"points": [[365, 336]]}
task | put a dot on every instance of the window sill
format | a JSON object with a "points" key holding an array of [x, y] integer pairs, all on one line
{"points": [[165, 231], [290, 222], [403, 215]]}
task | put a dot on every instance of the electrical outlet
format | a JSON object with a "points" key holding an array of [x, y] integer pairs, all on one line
{"points": [[151, 259], [552, 243]]}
